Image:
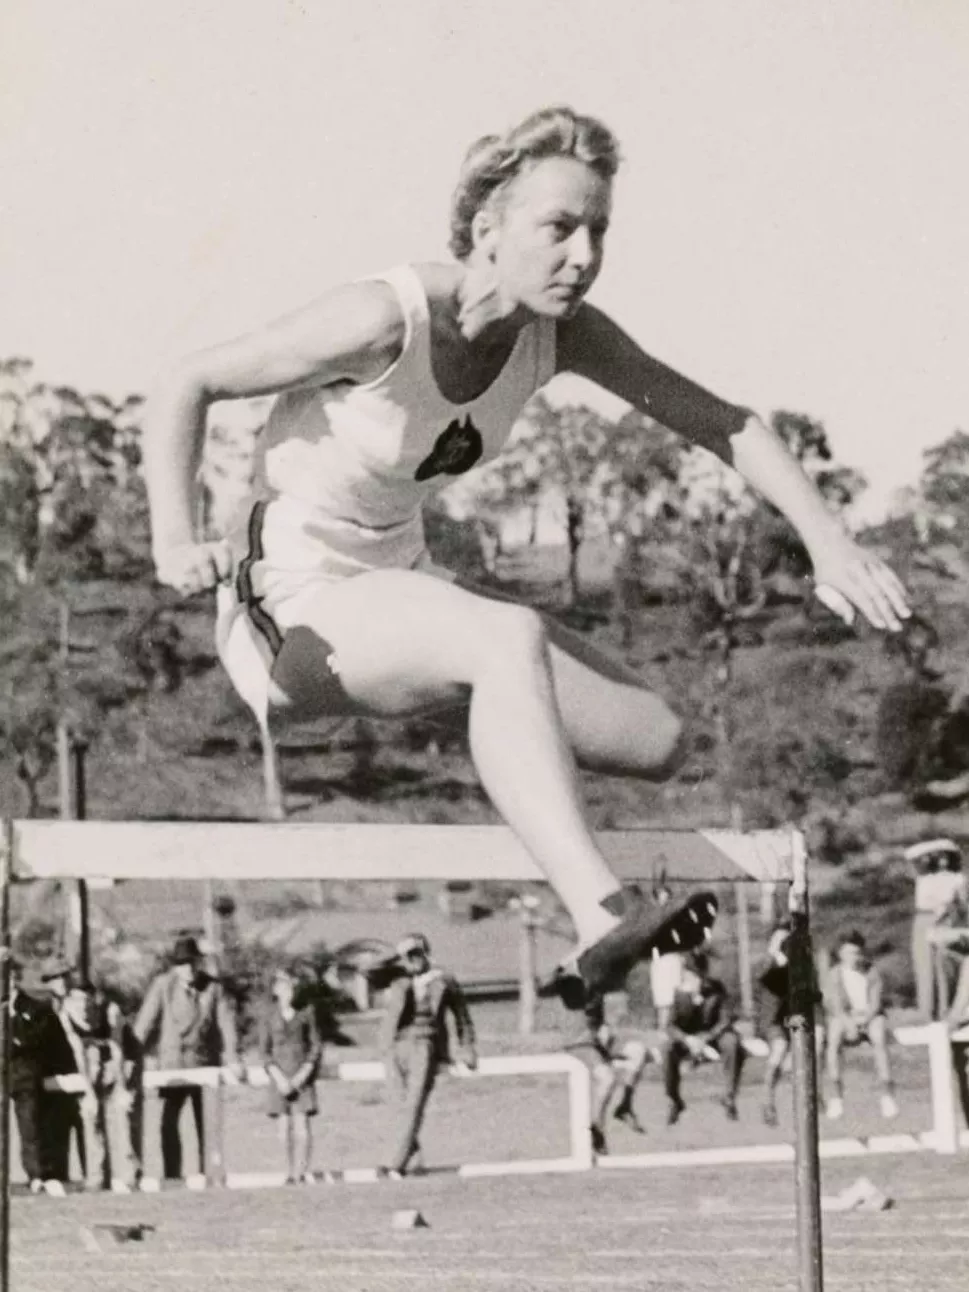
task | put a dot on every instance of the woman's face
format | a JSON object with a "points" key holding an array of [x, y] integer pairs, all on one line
{"points": [[547, 236]]}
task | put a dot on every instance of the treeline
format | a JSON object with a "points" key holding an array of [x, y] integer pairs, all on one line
{"points": [[723, 566]]}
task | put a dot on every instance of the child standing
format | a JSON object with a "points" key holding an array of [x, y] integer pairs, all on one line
{"points": [[291, 1050]]}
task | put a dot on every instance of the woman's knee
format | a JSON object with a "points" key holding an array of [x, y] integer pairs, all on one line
{"points": [[670, 739]]}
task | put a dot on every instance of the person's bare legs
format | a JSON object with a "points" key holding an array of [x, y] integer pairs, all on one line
{"points": [[401, 643], [779, 1046], [878, 1035], [838, 1029], [303, 1143], [287, 1136]]}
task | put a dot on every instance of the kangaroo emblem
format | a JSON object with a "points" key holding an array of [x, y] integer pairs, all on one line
{"points": [[455, 451]]}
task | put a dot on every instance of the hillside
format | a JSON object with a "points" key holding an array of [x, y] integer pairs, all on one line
{"points": [[193, 754]]}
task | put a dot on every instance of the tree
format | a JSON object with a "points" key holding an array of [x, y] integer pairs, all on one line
{"points": [[65, 458], [726, 544], [944, 492]]}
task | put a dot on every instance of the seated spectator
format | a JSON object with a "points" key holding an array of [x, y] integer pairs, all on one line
{"points": [[421, 1006], [617, 1064], [940, 898], [701, 1028], [188, 1021], [290, 1050], [666, 971], [31, 1021], [775, 982], [856, 1014]]}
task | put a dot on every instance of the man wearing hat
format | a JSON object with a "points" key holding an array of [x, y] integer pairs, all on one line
{"points": [[31, 1022], [63, 1120], [940, 896], [189, 1023], [421, 1005]]}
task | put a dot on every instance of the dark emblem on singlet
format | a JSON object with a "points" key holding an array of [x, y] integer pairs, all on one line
{"points": [[455, 451]]}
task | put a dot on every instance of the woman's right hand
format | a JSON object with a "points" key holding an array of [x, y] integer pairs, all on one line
{"points": [[194, 567]]}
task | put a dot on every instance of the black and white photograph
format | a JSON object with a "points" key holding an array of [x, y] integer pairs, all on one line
{"points": [[484, 578]]}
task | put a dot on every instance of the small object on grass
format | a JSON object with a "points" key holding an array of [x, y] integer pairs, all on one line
{"points": [[408, 1218], [96, 1237], [862, 1195]]}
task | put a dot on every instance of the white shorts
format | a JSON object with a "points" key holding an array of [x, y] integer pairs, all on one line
{"points": [[287, 560]]}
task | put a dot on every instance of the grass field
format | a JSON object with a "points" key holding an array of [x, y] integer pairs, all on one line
{"points": [[667, 1228], [731, 1229]]}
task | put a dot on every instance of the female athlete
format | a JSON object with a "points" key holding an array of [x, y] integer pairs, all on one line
{"points": [[387, 387]]}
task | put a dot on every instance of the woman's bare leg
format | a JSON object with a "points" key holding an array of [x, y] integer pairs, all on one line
{"points": [[401, 642], [614, 722]]}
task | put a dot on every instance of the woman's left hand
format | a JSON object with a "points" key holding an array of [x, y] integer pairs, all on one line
{"points": [[849, 578]]}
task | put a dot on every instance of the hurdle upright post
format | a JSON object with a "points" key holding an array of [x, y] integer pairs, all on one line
{"points": [[6, 951], [805, 1080]]}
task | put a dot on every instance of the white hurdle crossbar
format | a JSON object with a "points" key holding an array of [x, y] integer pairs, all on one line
{"points": [[303, 851], [579, 1086]]}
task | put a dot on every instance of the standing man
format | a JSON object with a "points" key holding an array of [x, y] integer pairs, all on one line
{"points": [[109, 1110], [63, 1116], [422, 1005], [940, 891], [31, 1021], [187, 1020], [701, 1028]]}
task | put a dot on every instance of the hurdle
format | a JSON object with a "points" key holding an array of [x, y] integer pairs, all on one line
{"points": [[101, 850], [212, 1081], [945, 1137]]}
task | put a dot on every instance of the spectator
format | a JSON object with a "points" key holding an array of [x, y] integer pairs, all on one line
{"points": [[109, 1109], [940, 896], [124, 1091], [63, 1123], [701, 1028], [616, 1063], [856, 1013], [187, 1020], [31, 1021], [415, 1040], [665, 972], [290, 1050], [775, 986]]}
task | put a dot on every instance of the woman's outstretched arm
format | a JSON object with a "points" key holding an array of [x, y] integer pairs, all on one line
{"points": [[848, 577], [351, 334]]}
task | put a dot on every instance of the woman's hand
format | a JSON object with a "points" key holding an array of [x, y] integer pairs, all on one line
{"points": [[849, 578], [193, 567]]}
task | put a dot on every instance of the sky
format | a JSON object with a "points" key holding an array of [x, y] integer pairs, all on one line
{"points": [[790, 225]]}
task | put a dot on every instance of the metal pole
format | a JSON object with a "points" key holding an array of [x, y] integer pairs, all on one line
{"points": [[744, 960], [73, 807], [526, 989], [804, 1063], [6, 866]]}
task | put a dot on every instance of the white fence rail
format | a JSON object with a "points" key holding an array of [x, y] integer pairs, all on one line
{"points": [[214, 1081]]}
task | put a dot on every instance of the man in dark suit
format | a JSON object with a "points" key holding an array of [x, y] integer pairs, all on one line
{"points": [[701, 1028], [31, 1023], [63, 1123], [421, 1006]]}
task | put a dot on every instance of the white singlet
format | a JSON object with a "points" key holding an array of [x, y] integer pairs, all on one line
{"points": [[341, 474]]}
